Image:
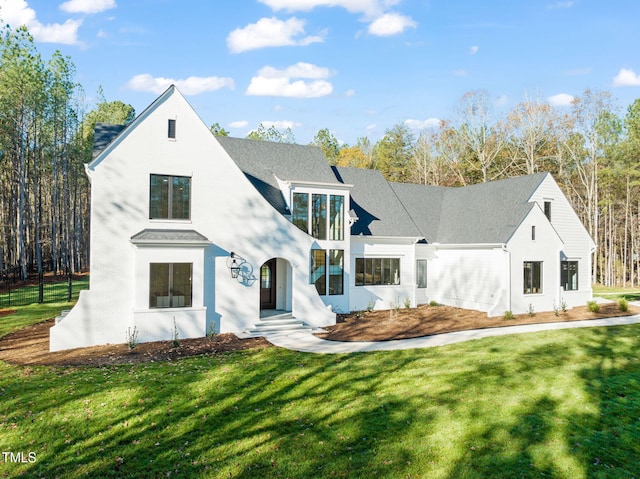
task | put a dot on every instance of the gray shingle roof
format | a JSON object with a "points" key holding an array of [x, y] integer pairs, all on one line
{"points": [[263, 161], [379, 211], [104, 133], [482, 213], [169, 236]]}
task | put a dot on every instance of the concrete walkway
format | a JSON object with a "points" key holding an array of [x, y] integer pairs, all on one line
{"points": [[304, 341]]}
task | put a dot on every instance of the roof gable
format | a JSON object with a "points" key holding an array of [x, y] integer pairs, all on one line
{"points": [[264, 162]]}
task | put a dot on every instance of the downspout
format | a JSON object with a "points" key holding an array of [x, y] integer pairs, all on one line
{"points": [[509, 295]]}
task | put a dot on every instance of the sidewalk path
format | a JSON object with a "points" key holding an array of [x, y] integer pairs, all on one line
{"points": [[304, 341]]}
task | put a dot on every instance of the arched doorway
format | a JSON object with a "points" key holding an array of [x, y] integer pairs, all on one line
{"points": [[268, 288]]}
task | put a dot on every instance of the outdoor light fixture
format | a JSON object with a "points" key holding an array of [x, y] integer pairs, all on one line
{"points": [[235, 266]]}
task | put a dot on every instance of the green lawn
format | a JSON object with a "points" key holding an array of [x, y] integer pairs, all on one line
{"points": [[562, 404], [616, 292]]}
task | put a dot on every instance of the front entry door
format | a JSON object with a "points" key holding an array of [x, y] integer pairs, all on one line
{"points": [[268, 285]]}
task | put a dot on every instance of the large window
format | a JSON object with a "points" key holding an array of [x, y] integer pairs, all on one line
{"points": [[421, 273], [532, 277], [319, 270], [319, 216], [301, 211], [377, 271], [323, 218], [170, 285], [336, 218], [170, 197], [569, 275], [336, 271]]}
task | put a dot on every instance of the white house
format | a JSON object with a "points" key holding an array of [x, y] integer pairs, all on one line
{"points": [[192, 233]]}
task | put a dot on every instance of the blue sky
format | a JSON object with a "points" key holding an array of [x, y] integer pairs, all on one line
{"points": [[356, 67]]}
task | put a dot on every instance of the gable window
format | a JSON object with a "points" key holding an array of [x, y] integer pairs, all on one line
{"points": [[533, 233], [377, 271], [421, 273], [532, 277], [547, 209], [170, 285], [171, 133], [170, 197], [569, 275], [336, 218]]}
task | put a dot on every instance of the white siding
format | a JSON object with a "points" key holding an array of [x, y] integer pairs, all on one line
{"points": [[577, 243]]}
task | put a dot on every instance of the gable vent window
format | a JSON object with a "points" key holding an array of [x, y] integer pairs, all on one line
{"points": [[172, 130], [533, 233]]}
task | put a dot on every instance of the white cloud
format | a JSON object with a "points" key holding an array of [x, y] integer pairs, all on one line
{"points": [[17, 13], [273, 82], [423, 124], [239, 124], [561, 99], [391, 24], [350, 93], [189, 86], [270, 32], [370, 8], [460, 73], [280, 124], [474, 49], [626, 77], [87, 6]]}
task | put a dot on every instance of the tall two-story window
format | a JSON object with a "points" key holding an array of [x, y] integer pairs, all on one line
{"points": [[170, 197], [319, 270], [335, 271], [170, 285], [336, 217]]}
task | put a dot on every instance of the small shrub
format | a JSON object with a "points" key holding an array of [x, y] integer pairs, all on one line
{"points": [[623, 305], [211, 332], [132, 337], [556, 310], [563, 306], [434, 303], [407, 302], [175, 334], [508, 315], [371, 304], [532, 311], [593, 306]]}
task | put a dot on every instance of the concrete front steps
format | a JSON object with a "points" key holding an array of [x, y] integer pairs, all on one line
{"points": [[277, 322]]}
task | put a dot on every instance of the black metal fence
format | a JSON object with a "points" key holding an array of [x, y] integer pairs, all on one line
{"points": [[40, 289]]}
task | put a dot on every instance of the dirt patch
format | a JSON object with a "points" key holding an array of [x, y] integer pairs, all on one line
{"points": [[428, 320], [6, 312], [30, 346]]}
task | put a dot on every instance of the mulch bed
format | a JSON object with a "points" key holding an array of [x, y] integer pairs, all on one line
{"points": [[30, 345]]}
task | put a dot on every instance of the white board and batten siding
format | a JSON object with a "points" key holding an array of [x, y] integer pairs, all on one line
{"points": [[469, 277], [577, 244]]}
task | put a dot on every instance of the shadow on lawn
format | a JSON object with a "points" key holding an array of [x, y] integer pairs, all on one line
{"points": [[277, 413]]}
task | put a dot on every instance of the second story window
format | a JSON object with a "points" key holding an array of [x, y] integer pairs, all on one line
{"points": [[171, 134], [321, 216], [170, 197]]}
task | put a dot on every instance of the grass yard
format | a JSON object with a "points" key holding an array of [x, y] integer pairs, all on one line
{"points": [[562, 404], [616, 292]]}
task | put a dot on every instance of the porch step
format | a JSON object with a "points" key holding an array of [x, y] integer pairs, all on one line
{"points": [[63, 314], [278, 323]]}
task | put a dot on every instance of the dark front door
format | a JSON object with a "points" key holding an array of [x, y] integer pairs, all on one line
{"points": [[268, 285]]}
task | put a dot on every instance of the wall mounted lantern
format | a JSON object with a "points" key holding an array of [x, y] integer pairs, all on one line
{"points": [[235, 265]]}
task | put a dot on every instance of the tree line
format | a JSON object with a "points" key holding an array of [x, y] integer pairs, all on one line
{"points": [[46, 138]]}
